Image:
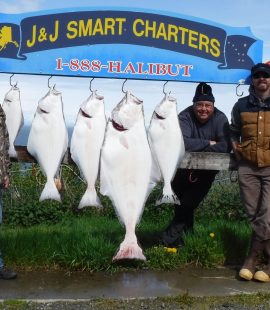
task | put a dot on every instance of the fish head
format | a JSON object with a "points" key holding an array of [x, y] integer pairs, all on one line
{"points": [[166, 107], [51, 102], [128, 112], [92, 106], [13, 95]]}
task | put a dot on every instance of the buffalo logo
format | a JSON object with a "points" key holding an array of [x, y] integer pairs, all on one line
{"points": [[6, 37]]}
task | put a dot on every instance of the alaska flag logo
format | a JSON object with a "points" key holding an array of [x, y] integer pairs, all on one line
{"points": [[236, 50], [9, 40]]}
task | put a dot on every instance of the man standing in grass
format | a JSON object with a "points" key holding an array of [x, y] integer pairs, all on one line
{"points": [[250, 132], [5, 273], [205, 129]]}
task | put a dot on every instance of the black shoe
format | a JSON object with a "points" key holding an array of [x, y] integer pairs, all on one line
{"points": [[7, 274], [172, 244], [173, 235]]}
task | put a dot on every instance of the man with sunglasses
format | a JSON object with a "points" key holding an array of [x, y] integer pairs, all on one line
{"points": [[250, 135]]}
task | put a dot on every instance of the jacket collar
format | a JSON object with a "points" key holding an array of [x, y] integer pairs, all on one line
{"points": [[255, 100]]}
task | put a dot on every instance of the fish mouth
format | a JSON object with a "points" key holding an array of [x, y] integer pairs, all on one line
{"points": [[85, 114], [158, 116], [118, 126], [43, 111]]}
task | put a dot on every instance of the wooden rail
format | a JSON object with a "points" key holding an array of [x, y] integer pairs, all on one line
{"points": [[198, 160]]}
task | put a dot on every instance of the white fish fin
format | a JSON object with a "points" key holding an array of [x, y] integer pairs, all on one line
{"points": [[12, 152], [168, 196], [129, 250], [123, 141], [90, 199], [50, 192], [172, 199]]}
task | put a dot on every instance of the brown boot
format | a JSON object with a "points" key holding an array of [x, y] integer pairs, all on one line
{"points": [[248, 269], [264, 274]]}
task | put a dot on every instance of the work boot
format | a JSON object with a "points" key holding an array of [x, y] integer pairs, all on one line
{"points": [[248, 269], [264, 274], [173, 235], [7, 274]]}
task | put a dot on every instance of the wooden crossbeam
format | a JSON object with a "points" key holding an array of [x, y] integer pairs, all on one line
{"points": [[192, 160]]}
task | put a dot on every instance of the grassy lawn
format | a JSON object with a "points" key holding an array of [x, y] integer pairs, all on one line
{"points": [[55, 235], [90, 240]]}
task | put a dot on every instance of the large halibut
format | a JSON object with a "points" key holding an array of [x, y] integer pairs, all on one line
{"points": [[126, 170], [86, 142], [48, 140], [167, 144], [14, 116]]}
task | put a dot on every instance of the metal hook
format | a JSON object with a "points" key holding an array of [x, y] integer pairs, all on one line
{"points": [[90, 86], [49, 82], [164, 87], [241, 82], [123, 87], [238, 94], [10, 81]]}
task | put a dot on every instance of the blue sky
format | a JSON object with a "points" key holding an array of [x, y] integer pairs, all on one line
{"points": [[240, 13]]}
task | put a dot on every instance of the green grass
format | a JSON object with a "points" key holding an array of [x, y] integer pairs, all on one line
{"points": [[183, 302], [89, 241], [55, 235]]}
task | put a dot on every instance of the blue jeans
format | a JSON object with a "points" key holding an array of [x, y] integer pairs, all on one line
{"points": [[1, 217]]}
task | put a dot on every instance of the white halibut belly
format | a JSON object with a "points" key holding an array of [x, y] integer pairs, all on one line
{"points": [[125, 171], [85, 150], [168, 147], [14, 122], [47, 142]]}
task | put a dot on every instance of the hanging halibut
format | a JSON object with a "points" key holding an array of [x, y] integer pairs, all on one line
{"points": [[14, 116], [126, 169], [167, 144], [86, 142], [48, 140]]}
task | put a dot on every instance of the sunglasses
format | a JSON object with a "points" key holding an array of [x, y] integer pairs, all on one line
{"points": [[261, 75]]}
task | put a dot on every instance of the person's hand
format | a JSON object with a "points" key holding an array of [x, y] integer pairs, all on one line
{"points": [[212, 142], [6, 182], [237, 150]]}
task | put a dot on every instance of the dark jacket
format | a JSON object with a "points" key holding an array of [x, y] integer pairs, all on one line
{"points": [[4, 146], [251, 123], [197, 136]]}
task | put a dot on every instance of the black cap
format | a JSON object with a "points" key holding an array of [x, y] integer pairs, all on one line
{"points": [[203, 93], [260, 67]]}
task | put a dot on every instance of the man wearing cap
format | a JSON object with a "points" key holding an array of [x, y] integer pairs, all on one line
{"points": [[250, 135], [205, 129]]}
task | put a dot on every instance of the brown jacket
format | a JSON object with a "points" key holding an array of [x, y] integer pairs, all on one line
{"points": [[255, 144], [4, 146]]}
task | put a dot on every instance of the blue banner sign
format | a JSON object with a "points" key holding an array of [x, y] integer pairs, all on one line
{"points": [[126, 44]]}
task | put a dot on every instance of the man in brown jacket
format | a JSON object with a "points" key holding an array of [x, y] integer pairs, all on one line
{"points": [[5, 273], [250, 133]]}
